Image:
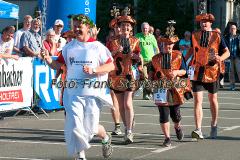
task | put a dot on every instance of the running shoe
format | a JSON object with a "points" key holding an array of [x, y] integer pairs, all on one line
{"points": [[179, 133], [197, 134], [167, 142], [80, 159], [128, 138], [117, 130], [107, 148], [213, 133]]}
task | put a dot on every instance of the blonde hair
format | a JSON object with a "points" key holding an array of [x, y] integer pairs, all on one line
{"points": [[27, 17], [49, 31], [36, 20]]}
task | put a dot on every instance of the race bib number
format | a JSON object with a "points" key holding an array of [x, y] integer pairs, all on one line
{"points": [[160, 96], [191, 70]]}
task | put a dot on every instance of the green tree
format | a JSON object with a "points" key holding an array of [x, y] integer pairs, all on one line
{"points": [[103, 15], [156, 13]]}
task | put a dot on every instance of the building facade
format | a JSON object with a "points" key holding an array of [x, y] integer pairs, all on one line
{"points": [[223, 10]]}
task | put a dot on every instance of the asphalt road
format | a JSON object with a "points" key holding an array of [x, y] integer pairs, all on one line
{"points": [[25, 137]]}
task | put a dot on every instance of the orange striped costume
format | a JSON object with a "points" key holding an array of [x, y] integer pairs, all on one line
{"points": [[175, 95], [205, 70], [122, 79]]}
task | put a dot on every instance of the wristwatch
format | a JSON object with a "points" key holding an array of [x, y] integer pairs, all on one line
{"points": [[94, 70]]}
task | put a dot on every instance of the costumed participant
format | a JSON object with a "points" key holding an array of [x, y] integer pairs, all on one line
{"points": [[209, 51], [170, 84], [87, 63], [126, 53], [113, 25]]}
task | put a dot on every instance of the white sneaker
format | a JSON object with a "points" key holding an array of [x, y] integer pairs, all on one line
{"points": [[128, 138], [79, 157], [197, 134], [117, 131]]}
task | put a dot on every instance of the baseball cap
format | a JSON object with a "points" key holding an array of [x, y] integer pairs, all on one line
{"points": [[58, 22]]}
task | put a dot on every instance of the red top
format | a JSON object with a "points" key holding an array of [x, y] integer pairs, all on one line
{"points": [[49, 46]]}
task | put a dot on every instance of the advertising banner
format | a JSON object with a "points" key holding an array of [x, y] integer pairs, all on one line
{"points": [[48, 94], [15, 83], [61, 9]]}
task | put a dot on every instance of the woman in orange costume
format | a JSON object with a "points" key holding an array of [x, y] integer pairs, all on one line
{"points": [[115, 29], [168, 74], [125, 51]]}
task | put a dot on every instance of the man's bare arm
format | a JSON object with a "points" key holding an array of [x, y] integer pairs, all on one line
{"points": [[29, 52], [225, 55], [52, 63]]}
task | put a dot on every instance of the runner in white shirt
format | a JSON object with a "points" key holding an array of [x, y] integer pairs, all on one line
{"points": [[87, 61]]}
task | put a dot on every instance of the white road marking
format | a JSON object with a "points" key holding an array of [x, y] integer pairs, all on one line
{"points": [[154, 152], [191, 102], [157, 115], [137, 123], [16, 158], [164, 149], [63, 143], [157, 124], [231, 128]]}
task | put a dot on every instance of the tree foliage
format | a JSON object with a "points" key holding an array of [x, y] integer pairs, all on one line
{"points": [[156, 13], [103, 15]]}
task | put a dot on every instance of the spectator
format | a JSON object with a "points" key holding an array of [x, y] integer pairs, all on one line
{"points": [[158, 35], [50, 44], [6, 43], [149, 47], [60, 41], [185, 43], [151, 29], [31, 41], [26, 26], [6, 46], [233, 42]]}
